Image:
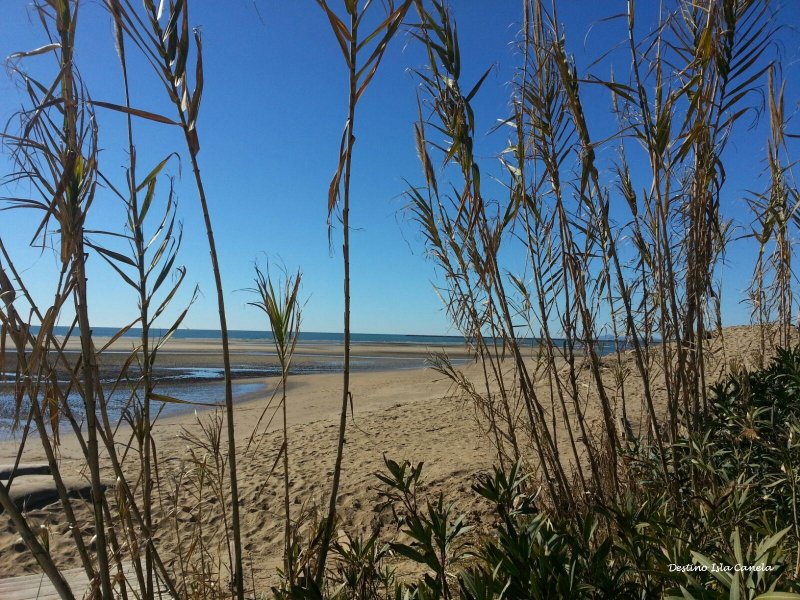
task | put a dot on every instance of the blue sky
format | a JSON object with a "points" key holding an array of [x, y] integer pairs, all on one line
{"points": [[273, 110]]}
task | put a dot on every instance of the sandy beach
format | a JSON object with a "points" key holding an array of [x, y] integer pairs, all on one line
{"points": [[404, 414]]}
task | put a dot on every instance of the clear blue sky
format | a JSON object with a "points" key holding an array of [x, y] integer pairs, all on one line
{"points": [[272, 115]]}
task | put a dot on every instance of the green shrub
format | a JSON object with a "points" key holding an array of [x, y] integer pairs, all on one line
{"points": [[730, 499]]}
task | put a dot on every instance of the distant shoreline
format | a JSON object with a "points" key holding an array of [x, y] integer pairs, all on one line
{"points": [[191, 369], [261, 335], [605, 344]]}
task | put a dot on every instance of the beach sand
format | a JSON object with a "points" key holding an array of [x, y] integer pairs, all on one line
{"points": [[403, 414]]}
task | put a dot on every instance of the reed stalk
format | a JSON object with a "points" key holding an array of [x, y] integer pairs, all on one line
{"points": [[65, 22], [661, 288], [167, 49], [282, 307], [775, 220], [359, 75]]}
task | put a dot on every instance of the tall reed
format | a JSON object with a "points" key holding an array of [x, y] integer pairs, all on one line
{"points": [[360, 72], [68, 150], [691, 82], [56, 153], [629, 249], [167, 48], [283, 310], [775, 218]]}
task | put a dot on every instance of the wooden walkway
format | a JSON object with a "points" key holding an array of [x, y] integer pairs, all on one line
{"points": [[28, 587], [38, 587], [33, 487]]}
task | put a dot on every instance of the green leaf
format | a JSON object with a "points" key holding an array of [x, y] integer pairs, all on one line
{"points": [[134, 111], [409, 553], [722, 577], [770, 542], [477, 86], [173, 400], [112, 254], [154, 173]]}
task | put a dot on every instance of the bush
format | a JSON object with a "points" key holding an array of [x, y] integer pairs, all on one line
{"points": [[730, 501]]}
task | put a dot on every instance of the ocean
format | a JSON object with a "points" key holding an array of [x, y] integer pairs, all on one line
{"points": [[201, 383], [603, 346], [305, 336]]}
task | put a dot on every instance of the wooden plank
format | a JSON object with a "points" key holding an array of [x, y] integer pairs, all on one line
{"points": [[38, 587]]}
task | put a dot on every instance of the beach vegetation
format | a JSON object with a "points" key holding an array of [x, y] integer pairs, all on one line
{"points": [[282, 307], [636, 454], [362, 57], [730, 534]]}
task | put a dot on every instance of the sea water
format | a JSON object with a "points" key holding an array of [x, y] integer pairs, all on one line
{"points": [[203, 388]]}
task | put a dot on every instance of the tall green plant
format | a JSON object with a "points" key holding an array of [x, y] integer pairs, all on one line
{"points": [[557, 212], [64, 168], [165, 40], [775, 212], [465, 233], [282, 307], [360, 71]]}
